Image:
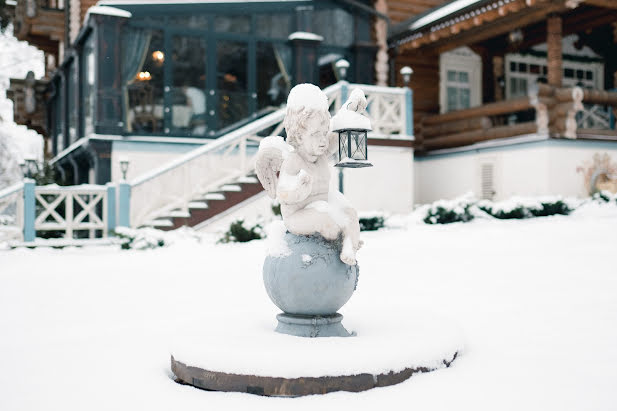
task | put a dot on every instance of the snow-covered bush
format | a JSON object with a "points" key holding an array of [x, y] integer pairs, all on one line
{"points": [[239, 234], [466, 208], [371, 222], [450, 211], [604, 197], [520, 207], [140, 239]]}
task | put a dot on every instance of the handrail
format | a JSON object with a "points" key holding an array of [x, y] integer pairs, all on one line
{"points": [[253, 127], [15, 188]]}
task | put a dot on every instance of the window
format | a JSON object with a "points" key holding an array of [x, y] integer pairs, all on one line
{"points": [[188, 94], [232, 81], [72, 99], [460, 85], [457, 90], [273, 74], [142, 74], [523, 71], [88, 85]]}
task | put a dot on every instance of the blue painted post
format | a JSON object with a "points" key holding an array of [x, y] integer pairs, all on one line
{"points": [[409, 111], [124, 204], [29, 210], [111, 208], [344, 92]]}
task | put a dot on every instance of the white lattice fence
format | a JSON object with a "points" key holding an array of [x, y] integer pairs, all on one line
{"points": [[594, 116], [386, 108], [11, 212], [71, 210]]}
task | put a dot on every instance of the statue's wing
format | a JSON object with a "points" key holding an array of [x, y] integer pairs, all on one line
{"points": [[272, 151]]}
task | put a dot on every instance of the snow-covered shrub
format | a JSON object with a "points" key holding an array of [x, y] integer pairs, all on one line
{"points": [[240, 234], [371, 222], [520, 207], [141, 239], [604, 197], [450, 211], [276, 208]]}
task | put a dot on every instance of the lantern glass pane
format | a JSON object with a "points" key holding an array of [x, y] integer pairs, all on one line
{"points": [[343, 149], [358, 149]]}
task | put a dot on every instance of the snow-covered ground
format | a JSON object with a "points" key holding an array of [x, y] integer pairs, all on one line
{"points": [[92, 328]]}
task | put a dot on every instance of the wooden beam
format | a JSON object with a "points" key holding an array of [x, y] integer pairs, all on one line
{"points": [[608, 4], [470, 137], [554, 56]]}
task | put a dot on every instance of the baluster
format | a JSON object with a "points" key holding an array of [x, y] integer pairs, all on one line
{"points": [[68, 216]]}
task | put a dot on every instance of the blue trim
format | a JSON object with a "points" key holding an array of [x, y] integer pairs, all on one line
{"points": [[409, 111], [155, 146], [111, 208], [29, 210], [610, 145], [124, 204]]}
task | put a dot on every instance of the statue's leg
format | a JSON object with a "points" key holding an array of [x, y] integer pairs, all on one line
{"points": [[309, 221]]}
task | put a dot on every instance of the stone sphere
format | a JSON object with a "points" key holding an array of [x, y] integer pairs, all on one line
{"points": [[312, 279]]}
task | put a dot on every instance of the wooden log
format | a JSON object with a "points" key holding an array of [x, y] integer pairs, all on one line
{"points": [[491, 109], [600, 97], [470, 137], [569, 94], [453, 127], [554, 53]]}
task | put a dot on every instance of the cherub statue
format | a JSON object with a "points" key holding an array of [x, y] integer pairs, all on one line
{"points": [[308, 204]]}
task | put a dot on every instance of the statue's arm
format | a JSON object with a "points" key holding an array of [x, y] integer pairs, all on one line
{"points": [[295, 184]]}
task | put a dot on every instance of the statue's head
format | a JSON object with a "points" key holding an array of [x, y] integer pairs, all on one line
{"points": [[307, 120]]}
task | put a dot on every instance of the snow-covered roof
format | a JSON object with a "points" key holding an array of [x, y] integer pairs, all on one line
{"points": [[108, 11], [441, 12], [303, 35], [434, 15]]}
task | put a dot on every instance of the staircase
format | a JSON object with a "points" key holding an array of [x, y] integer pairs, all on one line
{"points": [[203, 184], [208, 206]]}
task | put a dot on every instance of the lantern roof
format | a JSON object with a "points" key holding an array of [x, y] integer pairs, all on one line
{"points": [[350, 120]]}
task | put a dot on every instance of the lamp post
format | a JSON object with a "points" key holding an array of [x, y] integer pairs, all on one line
{"points": [[28, 167], [406, 72], [124, 167], [341, 67]]}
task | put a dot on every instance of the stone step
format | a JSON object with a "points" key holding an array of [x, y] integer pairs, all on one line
{"points": [[178, 214], [231, 187], [248, 180], [202, 205], [213, 196]]}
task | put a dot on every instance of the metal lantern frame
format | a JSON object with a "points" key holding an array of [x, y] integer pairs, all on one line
{"points": [[347, 150]]}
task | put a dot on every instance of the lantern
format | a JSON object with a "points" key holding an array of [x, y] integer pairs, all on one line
{"points": [[352, 128]]}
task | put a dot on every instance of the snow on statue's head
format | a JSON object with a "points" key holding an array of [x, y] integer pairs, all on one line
{"points": [[305, 101]]}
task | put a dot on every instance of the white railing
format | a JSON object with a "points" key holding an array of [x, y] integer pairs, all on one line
{"points": [[387, 110], [71, 209], [11, 212], [206, 168], [594, 116]]}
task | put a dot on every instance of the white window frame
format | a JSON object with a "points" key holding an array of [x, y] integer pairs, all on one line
{"points": [[596, 67], [461, 59]]}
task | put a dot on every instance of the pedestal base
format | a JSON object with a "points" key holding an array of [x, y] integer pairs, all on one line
{"points": [[312, 325]]}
